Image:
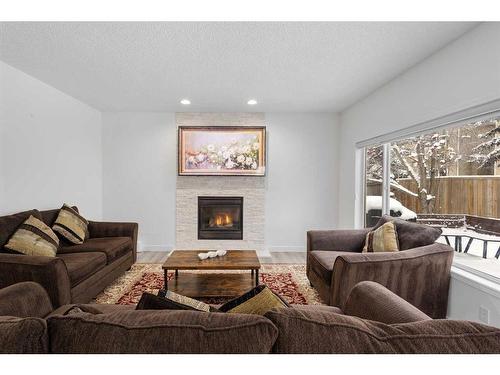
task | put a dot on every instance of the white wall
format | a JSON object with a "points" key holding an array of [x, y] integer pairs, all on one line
{"points": [[139, 161], [463, 74], [301, 183], [140, 154], [50, 147], [470, 293]]}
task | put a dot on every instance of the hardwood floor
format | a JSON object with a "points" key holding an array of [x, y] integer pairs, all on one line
{"points": [[276, 257], [152, 256]]}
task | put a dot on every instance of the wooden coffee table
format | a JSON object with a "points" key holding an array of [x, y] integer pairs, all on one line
{"points": [[212, 284]]}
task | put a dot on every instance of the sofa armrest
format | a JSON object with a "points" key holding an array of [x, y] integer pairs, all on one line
{"points": [[26, 299], [421, 275], [337, 240], [99, 229], [50, 272], [372, 301]]}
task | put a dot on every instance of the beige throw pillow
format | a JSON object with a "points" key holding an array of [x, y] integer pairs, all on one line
{"points": [[382, 239], [34, 237], [71, 225], [258, 301]]}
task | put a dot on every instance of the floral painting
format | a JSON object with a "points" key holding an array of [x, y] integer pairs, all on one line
{"points": [[222, 151]]}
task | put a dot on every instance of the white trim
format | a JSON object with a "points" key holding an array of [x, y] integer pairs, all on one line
{"points": [[475, 281], [482, 275], [476, 113], [386, 180]]}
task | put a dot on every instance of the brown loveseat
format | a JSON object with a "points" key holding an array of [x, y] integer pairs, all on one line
{"points": [[419, 273], [374, 320], [79, 272]]}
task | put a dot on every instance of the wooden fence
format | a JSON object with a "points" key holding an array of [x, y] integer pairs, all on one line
{"points": [[469, 195]]}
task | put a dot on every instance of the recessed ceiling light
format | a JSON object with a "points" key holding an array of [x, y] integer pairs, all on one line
{"points": [[185, 101], [252, 102]]}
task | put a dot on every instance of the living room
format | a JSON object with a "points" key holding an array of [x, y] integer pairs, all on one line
{"points": [[340, 174]]}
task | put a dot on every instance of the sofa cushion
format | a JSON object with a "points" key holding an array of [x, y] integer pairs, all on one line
{"points": [[161, 331], [34, 237], [23, 335], [313, 331], [322, 263], [82, 265], [113, 247], [9, 224], [411, 235], [71, 225], [102, 308], [324, 308]]}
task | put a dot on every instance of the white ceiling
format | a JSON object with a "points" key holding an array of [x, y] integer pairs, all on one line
{"points": [[220, 65]]}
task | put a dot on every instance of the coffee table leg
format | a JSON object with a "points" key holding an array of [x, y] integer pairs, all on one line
{"points": [[176, 274], [256, 277], [165, 279]]}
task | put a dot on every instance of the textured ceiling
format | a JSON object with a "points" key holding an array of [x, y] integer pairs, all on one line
{"points": [[219, 66]]}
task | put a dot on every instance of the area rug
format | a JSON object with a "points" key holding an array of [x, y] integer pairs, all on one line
{"points": [[287, 280]]}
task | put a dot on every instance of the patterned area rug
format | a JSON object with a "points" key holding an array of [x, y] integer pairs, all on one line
{"points": [[289, 281]]}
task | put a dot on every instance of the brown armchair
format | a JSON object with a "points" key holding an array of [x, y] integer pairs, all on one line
{"points": [[419, 273]]}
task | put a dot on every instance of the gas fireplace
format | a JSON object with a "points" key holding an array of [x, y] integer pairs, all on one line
{"points": [[220, 218]]}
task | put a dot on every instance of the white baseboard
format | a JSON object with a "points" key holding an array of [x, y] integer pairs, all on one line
{"points": [[298, 249], [263, 253]]}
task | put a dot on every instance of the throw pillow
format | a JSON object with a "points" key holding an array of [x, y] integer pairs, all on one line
{"points": [[71, 225], [34, 237], [168, 300], [411, 235], [9, 224], [258, 301], [382, 239]]}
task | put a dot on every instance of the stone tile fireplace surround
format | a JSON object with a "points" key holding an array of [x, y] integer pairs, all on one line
{"points": [[189, 188]]}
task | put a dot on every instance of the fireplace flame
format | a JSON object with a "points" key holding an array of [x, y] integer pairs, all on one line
{"points": [[223, 220]]}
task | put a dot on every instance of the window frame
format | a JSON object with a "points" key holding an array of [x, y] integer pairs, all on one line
{"points": [[456, 119]]}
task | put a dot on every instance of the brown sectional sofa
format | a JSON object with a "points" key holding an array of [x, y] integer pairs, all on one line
{"points": [[419, 273], [79, 272], [374, 320]]}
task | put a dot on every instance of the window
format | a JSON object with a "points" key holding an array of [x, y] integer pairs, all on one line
{"points": [[448, 177]]}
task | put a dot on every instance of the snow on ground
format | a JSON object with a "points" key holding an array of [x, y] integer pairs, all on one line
{"points": [[374, 202]]}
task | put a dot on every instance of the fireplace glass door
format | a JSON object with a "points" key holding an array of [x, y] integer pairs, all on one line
{"points": [[220, 218]]}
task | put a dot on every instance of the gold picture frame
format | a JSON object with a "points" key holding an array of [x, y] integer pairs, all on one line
{"points": [[222, 151]]}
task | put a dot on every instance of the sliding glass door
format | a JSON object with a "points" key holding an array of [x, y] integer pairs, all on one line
{"points": [[447, 177]]}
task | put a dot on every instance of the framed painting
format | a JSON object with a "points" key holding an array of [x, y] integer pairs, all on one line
{"points": [[222, 151]]}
